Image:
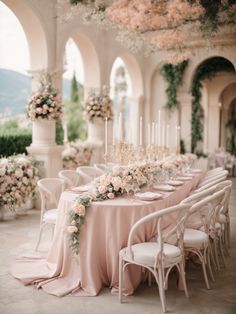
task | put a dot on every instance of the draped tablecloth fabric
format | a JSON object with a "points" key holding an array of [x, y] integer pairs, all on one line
{"points": [[104, 233]]}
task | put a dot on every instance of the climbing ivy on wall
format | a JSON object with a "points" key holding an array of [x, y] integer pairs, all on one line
{"points": [[173, 74], [206, 70]]}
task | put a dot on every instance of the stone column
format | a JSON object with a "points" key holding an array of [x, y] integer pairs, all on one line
{"points": [[185, 118]]}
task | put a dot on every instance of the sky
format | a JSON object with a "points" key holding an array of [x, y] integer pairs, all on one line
{"points": [[12, 39]]}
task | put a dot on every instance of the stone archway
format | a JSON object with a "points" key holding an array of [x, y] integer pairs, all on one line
{"points": [[214, 74], [34, 32]]}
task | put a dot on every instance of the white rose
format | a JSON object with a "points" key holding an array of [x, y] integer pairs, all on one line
{"points": [[19, 173], [25, 180], [3, 162], [2, 171], [30, 173]]}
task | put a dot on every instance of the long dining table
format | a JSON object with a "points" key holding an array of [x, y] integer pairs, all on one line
{"points": [[104, 233]]}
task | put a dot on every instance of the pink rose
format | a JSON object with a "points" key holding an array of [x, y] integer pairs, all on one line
{"points": [[111, 195], [102, 189], [79, 209], [72, 229]]}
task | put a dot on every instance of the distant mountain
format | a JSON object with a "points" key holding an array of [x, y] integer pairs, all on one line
{"points": [[15, 90]]}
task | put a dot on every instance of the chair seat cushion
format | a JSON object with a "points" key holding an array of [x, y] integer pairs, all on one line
{"points": [[50, 215], [222, 218], [195, 238], [145, 253]]}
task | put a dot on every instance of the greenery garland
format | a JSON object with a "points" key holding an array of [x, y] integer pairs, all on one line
{"points": [[206, 70], [173, 74]]}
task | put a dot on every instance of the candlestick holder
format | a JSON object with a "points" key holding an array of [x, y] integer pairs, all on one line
{"points": [[122, 153]]}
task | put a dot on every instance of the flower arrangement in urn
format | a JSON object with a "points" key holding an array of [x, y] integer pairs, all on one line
{"points": [[98, 107], [76, 154], [18, 180], [45, 104]]}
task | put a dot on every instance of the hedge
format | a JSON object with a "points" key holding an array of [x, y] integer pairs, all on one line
{"points": [[14, 143]]}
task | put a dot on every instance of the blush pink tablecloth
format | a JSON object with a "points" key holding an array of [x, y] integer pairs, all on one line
{"points": [[105, 232]]}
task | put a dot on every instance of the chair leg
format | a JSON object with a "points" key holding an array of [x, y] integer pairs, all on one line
{"points": [[221, 251], [121, 264], [161, 290], [39, 238], [203, 260], [183, 277], [212, 258], [209, 265], [216, 253]]}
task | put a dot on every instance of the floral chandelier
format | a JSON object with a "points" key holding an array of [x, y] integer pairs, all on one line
{"points": [[159, 25]]}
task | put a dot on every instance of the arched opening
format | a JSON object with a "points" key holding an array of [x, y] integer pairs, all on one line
{"points": [[92, 76], [120, 90], [15, 86], [227, 107], [212, 74], [34, 32], [73, 93]]}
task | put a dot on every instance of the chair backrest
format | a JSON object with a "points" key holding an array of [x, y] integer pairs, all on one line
{"points": [[214, 171], [88, 173], [71, 177], [50, 190], [195, 197], [210, 184], [205, 181], [169, 222], [101, 167], [208, 209], [226, 186]]}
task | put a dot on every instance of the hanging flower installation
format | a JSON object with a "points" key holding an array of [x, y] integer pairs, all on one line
{"points": [[149, 25]]}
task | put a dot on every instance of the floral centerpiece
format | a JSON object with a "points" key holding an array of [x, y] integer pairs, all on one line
{"points": [[76, 154], [18, 180], [45, 104], [98, 107]]}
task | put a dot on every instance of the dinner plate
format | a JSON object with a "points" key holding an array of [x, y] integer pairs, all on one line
{"points": [[81, 188], [196, 170], [185, 178], [164, 187], [174, 182], [148, 196]]}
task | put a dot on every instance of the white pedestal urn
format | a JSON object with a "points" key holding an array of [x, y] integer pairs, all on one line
{"points": [[44, 147], [44, 133], [96, 137]]}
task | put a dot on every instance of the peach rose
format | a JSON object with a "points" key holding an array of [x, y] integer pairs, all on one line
{"points": [[102, 189], [72, 229], [111, 195], [79, 209]]}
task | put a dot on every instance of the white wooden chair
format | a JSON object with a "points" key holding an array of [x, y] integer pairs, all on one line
{"points": [[50, 190], [158, 257], [101, 167], [88, 174], [71, 178], [224, 218], [198, 241]]}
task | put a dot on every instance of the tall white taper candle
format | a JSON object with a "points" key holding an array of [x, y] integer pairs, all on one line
{"points": [[106, 132], [141, 131]]}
